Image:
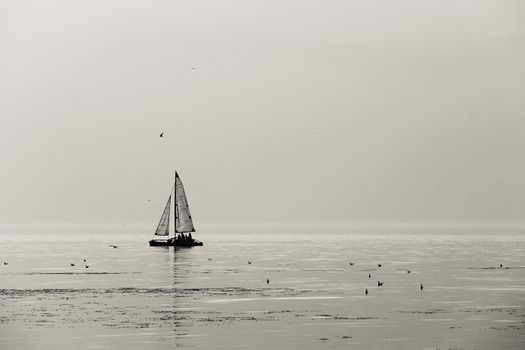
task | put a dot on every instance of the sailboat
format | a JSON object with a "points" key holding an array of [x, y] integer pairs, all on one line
{"points": [[183, 224]]}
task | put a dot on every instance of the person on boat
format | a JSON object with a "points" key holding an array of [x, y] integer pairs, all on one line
{"points": [[189, 236]]}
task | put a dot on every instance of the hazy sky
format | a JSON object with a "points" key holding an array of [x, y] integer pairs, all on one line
{"points": [[296, 111]]}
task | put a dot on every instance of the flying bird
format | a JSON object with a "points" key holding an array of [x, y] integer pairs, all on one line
{"points": [[5, 262], [379, 284], [421, 286], [72, 264], [114, 246], [161, 135], [351, 263], [249, 262], [87, 266]]}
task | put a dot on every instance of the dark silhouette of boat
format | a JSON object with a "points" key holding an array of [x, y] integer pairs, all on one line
{"points": [[183, 226]]}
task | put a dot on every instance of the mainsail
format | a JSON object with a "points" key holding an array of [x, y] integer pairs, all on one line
{"points": [[183, 222], [164, 223]]}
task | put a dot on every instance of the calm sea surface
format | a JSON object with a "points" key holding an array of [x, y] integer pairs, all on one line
{"points": [[211, 297]]}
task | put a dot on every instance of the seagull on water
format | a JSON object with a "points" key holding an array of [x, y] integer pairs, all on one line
{"points": [[87, 266], [114, 246], [5, 262], [249, 262], [366, 291], [267, 281], [72, 264]]}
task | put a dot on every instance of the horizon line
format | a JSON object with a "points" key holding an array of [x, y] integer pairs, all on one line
{"points": [[279, 224]]}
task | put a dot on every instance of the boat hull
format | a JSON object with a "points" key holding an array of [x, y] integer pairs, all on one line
{"points": [[175, 243]]}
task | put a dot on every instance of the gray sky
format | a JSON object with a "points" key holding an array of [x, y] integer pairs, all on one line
{"points": [[296, 111]]}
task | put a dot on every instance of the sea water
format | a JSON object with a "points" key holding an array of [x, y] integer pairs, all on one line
{"points": [[263, 289]]}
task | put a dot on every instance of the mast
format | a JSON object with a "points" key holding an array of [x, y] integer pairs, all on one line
{"points": [[175, 206]]}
